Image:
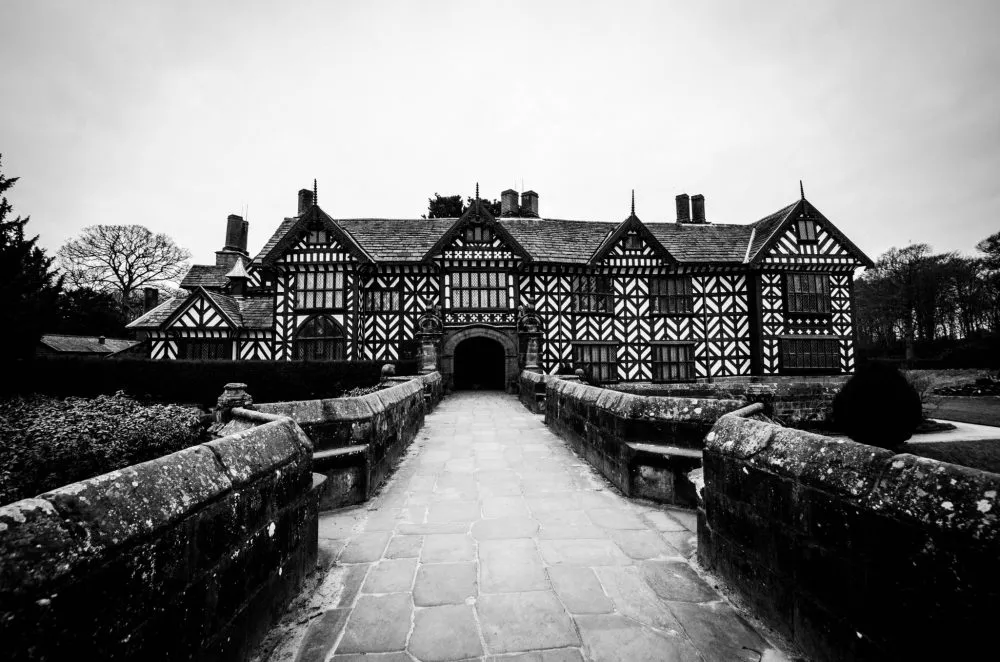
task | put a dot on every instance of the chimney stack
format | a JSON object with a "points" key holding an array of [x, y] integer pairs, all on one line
{"points": [[698, 208], [683, 208], [234, 233], [100, 340], [150, 299], [529, 204], [236, 242], [305, 200], [508, 203]]}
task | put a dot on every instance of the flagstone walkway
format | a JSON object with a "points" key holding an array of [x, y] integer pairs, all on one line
{"points": [[494, 541]]}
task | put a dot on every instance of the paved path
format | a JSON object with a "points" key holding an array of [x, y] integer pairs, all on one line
{"points": [[495, 541]]}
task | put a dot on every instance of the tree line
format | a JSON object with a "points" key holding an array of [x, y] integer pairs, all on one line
{"points": [[919, 304]]}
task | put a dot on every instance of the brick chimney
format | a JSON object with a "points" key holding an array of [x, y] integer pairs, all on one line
{"points": [[234, 233], [305, 200], [508, 203], [236, 242], [698, 208], [683, 208], [529, 204], [150, 299]]}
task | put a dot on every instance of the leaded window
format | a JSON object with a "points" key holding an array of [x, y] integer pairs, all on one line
{"points": [[671, 295], [808, 293], [592, 294], [598, 360], [479, 289], [805, 229], [810, 353], [478, 234], [382, 299], [633, 242], [316, 237], [319, 289], [673, 362], [204, 348], [319, 339]]}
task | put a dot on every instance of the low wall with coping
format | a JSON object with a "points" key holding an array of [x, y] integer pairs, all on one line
{"points": [[193, 555], [804, 402], [359, 440], [644, 445], [531, 390], [849, 550]]}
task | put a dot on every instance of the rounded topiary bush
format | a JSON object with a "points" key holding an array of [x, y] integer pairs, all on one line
{"points": [[877, 406]]}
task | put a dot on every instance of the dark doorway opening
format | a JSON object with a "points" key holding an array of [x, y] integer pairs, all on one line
{"points": [[479, 364]]}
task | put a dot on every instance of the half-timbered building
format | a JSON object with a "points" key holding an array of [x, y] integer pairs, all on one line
{"points": [[626, 301]]}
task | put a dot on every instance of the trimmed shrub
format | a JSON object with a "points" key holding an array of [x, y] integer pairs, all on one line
{"points": [[878, 407], [191, 381], [49, 442]]}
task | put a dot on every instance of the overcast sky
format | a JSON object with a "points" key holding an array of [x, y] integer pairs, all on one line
{"points": [[175, 114]]}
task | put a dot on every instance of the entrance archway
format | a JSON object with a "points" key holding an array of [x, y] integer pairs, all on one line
{"points": [[479, 364], [453, 362]]}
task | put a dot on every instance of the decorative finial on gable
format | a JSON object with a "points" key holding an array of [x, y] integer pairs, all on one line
{"points": [[633, 202], [802, 191], [477, 191], [315, 193]]}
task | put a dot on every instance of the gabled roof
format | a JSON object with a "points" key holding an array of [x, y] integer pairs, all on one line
{"points": [[287, 234], [157, 316], [476, 211], [630, 223], [770, 228], [220, 302], [205, 275], [398, 239], [243, 312], [85, 344], [703, 242]]}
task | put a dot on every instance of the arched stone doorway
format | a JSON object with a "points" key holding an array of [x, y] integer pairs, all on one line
{"points": [[473, 353], [479, 365]]}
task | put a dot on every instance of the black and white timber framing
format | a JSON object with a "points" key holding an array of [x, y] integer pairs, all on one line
{"points": [[672, 301]]}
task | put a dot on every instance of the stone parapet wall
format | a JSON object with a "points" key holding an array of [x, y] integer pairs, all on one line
{"points": [[794, 401], [359, 440], [193, 555], [644, 445], [531, 390], [851, 551]]}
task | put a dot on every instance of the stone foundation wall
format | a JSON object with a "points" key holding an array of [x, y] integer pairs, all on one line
{"points": [[804, 402], [851, 551], [193, 555], [359, 440], [644, 445]]}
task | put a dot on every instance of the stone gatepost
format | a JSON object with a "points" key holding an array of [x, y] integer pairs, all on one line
{"points": [[529, 326], [234, 395]]}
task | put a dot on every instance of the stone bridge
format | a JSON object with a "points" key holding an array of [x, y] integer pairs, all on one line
{"points": [[493, 540]]}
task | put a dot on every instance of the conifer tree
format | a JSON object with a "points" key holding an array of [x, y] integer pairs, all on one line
{"points": [[28, 286]]}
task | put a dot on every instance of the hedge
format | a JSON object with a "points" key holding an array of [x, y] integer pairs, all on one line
{"points": [[190, 381], [48, 443]]}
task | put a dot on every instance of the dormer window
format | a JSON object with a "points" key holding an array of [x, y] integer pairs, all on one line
{"points": [[478, 234], [806, 229], [316, 237]]}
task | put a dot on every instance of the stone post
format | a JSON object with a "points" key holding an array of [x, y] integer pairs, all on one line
{"points": [[428, 354], [234, 395], [531, 355]]}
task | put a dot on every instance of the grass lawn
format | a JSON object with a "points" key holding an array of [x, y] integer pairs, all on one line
{"points": [[979, 454], [983, 410]]}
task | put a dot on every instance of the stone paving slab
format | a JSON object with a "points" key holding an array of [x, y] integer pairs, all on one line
{"points": [[494, 541]]}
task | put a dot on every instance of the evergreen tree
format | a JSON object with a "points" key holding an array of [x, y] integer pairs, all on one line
{"points": [[28, 286], [451, 206]]}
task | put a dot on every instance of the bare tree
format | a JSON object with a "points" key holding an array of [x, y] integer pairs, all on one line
{"points": [[121, 259]]}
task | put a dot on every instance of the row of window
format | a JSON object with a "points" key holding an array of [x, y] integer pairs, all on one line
{"points": [[668, 295], [674, 362]]}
